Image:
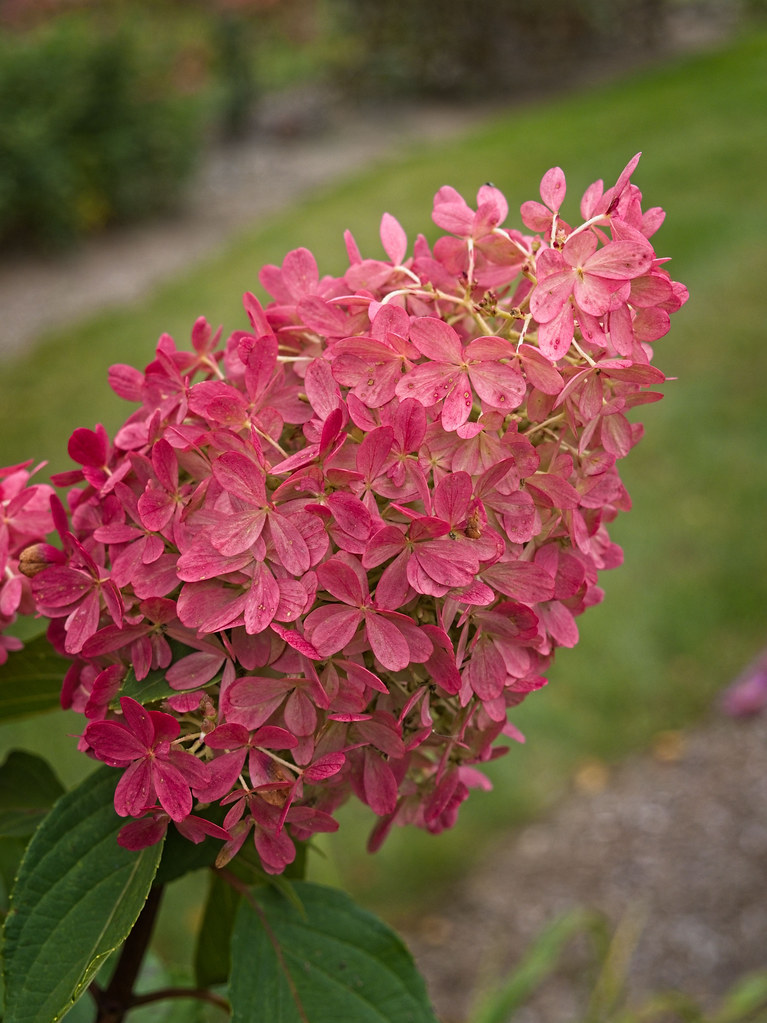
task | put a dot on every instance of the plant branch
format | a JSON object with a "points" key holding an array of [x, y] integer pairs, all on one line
{"points": [[200, 993]]}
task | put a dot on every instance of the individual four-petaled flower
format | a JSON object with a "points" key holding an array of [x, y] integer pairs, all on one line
{"points": [[157, 770]]}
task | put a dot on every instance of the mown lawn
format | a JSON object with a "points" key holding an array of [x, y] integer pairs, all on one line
{"points": [[688, 607]]}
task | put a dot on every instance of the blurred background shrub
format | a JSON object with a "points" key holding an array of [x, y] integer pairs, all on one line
{"points": [[455, 49], [101, 122], [106, 105]]}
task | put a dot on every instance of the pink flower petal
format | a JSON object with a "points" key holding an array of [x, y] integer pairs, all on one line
{"points": [[290, 545], [452, 495], [621, 260], [436, 340], [299, 713], [299, 273], [486, 670], [393, 589], [89, 447], [499, 385], [441, 664], [550, 294], [427, 384], [452, 213], [380, 785], [114, 743], [458, 403], [194, 670], [553, 188], [172, 789], [135, 791], [331, 627], [522, 580], [241, 477], [387, 642], [324, 767], [350, 514], [82, 623], [142, 833], [261, 601], [393, 239], [340, 580]]}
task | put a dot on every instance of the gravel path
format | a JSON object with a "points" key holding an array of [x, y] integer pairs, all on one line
{"points": [[677, 839]]}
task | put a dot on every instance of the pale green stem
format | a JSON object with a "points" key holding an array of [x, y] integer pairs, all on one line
{"points": [[545, 424]]}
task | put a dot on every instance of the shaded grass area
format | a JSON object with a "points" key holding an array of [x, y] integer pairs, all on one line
{"points": [[688, 607]]}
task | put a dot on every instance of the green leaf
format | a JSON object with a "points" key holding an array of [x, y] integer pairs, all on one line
{"points": [[149, 690], [11, 852], [334, 961], [212, 958], [30, 680], [76, 898], [610, 986], [28, 789]]}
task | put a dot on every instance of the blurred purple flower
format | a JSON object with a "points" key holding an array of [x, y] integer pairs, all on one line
{"points": [[748, 693]]}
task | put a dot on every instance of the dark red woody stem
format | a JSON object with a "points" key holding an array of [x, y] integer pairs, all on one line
{"points": [[115, 1001]]}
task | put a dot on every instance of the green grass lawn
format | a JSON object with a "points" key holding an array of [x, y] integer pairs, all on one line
{"points": [[688, 607]]}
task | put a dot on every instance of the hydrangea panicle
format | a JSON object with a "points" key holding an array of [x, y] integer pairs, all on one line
{"points": [[351, 538]]}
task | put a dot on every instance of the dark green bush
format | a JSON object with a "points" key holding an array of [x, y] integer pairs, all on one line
{"points": [[488, 48], [92, 129]]}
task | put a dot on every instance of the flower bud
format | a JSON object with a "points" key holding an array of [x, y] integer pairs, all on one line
{"points": [[36, 557]]}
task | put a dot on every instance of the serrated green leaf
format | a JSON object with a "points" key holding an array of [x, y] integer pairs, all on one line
{"points": [[11, 852], [28, 789], [30, 680], [76, 898], [212, 957], [246, 868], [335, 961], [149, 690]]}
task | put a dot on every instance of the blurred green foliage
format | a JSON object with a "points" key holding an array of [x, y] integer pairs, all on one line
{"points": [[485, 49], [106, 106], [458, 49], [98, 126]]}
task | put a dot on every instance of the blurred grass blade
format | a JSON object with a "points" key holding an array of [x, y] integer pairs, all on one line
{"points": [[610, 986], [666, 1007], [746, 998], [538, 963]]}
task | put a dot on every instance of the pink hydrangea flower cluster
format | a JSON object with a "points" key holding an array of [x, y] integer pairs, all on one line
{"points": [[25, 516], [336, 549]]}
